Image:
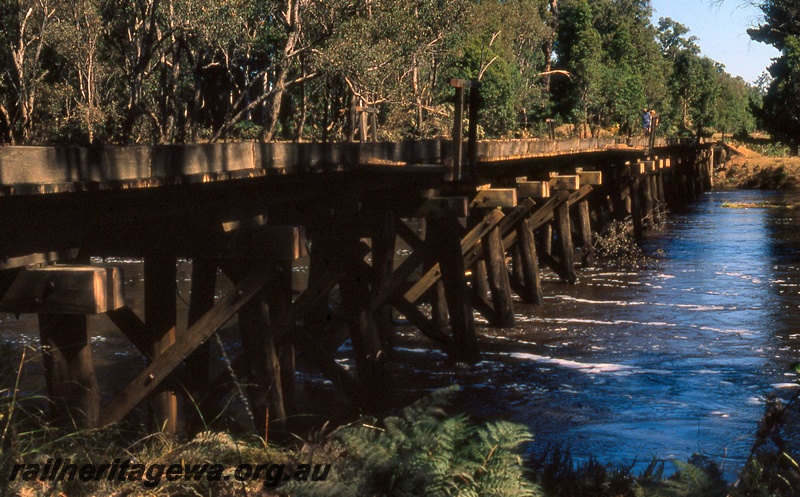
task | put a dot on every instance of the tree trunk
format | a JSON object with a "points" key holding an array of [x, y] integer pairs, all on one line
{"points": [[548, 45], [7, 124], [294, 29], [301, 119]]}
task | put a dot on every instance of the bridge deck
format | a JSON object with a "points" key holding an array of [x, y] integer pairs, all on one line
{"points": [[31, 170]]}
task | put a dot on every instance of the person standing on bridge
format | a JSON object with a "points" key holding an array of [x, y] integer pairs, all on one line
{"points": [[646, 121]]}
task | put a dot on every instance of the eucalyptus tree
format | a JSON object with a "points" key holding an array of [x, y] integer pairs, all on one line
{"points": [[694, 83], [391, 55], [502, 47], [609, 49], [736, 101], [78, 33], [135, 38], [580, 54], [781, 103], [25, 35]]}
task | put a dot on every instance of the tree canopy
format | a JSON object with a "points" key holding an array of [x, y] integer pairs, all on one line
{"points": [[172, 71], [780, 113]]}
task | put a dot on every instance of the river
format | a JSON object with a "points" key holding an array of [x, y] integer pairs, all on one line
{"points": [[661, 362]]}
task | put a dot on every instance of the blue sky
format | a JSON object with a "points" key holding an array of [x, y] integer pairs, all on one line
{"points": [[722, 33]]}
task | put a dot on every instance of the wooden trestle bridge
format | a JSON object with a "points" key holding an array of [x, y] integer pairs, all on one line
{"points": [[250, 209]]}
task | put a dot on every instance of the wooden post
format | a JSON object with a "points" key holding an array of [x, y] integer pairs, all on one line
{"points": [[480, 280], [502, 300], [160, 289], [657, 210], [437, 296], [691, 179], [517, 276], [647, 201], [320, 262], [710, 170], [472, 133], [564, 233], [383, 249], [662, 194], [448, 247], [545, 234], [584, 222], [686, 180], [69, 370], [264, 386], [635, 199], [600, 208], [458, 129], [279, 299], [204, 277], [620, 197], [357, 302], [530, 264], [480, 276], [699, 168], [670, 184], [563, 225]]}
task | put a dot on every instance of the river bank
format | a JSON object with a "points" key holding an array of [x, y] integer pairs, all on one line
{"points": [[747, 169]]}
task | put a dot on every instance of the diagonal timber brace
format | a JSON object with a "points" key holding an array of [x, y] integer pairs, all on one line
{"points": [[204, 328], [172, 357]]}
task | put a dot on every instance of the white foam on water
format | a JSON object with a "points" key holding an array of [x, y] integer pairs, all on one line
{"points": [[780, 386], [420, 351], [738, 331], [523, 342], [622, 303], [598, 321], [696, 307], [592, 368]]}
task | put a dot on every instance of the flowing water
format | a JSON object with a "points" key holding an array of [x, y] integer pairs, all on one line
{"points": [[662, 362]]}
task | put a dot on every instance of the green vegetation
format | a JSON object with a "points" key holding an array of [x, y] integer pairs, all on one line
{"points": [[420, 450], [162, 71], [780, 113]]}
